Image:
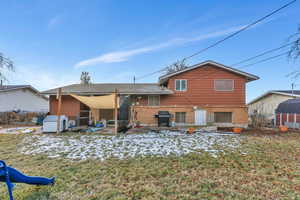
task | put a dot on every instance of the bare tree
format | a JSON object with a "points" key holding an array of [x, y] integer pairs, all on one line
{"points": [[5, 64], [295, 48], [85, 78], [175, 67], [294, 53]]}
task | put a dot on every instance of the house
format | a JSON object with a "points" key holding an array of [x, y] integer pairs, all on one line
{"points": [[22, 98], [205, 93], [266, 104]]}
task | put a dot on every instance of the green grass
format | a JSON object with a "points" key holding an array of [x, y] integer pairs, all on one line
{"points": [[265, 167]]}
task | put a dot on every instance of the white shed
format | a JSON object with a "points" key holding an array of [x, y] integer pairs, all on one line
{"points": [[22, 98]]}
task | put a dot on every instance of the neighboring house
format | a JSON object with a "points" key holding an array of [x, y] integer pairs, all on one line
{"points": [[22, 98], [205, 93], [266, 104]]}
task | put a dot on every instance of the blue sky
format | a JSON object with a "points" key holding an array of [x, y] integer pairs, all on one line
{"points": [[52, 42]]}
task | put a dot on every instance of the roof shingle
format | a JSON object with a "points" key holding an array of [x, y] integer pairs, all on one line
{"points": [[108, 88]]}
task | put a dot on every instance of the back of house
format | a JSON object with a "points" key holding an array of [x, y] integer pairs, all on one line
{"points": [[206, 93], [203, 94]]}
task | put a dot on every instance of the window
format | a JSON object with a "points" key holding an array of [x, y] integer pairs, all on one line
{"points": [[223, 117], [180, 117], [153, 100], [224, 85], [180, 85]]}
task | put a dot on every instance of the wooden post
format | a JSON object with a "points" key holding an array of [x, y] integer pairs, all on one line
{"points": [[116, 111], [58, 110], [280, 119], [295, 120]]}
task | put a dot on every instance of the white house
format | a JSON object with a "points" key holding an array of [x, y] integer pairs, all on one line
{"points": [[22, 98], [267, 103]]}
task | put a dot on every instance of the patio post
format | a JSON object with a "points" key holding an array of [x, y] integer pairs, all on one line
{"points": [[116, 111], [58, 110]]}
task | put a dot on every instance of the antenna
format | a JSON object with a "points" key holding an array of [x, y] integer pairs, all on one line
{"points": [[293, 85]]}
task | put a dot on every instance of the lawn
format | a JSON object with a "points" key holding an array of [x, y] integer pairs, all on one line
{"points": [[263, 166]]}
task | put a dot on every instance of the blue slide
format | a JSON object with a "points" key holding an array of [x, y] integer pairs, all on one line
{"points": [[10, 175]]}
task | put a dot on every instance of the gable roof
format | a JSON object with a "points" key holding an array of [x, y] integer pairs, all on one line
{"points": [[291, 93], [7, 88], [108, 88], [250, 77], [289, 106], [4, 88]]}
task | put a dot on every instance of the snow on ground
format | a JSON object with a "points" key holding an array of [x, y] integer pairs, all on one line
{"points": [[124, 146], [19, 130]]}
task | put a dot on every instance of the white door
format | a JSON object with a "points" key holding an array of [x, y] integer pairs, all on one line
{"points": [[200, 117]]}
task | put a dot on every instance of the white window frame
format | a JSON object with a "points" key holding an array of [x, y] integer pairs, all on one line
{"points": [[233, 84], [154, 96], [186, 85]]}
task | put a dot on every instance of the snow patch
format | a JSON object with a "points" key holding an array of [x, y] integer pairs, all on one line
{"points": [[126, 146]]}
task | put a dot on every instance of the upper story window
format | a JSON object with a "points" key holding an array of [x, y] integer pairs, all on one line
{"points": [[153, 101], [180, 85], [224, 85]]}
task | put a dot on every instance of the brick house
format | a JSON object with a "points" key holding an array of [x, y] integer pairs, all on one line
{"points": [[206, 93]]}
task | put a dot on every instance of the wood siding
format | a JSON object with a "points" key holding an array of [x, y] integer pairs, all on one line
{"points": [[70, 106], [201, 91]]}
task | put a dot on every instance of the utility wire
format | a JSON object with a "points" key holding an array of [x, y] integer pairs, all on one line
{"points": [[150, 74], [261, 54], [260, 61], [228, 37], [266, 59], [241, 30]]}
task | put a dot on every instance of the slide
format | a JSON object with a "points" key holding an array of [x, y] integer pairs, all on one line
{"points": [[10, 175], [17, 177]]}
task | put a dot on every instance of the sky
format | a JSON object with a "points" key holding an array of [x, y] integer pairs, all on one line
{"points": [[52, 42]]}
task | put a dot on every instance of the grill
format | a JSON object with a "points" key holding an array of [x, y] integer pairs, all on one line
{"points": [[163, 118]]}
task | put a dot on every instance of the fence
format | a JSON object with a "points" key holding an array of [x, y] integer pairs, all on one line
{"points": [[292, 120], [20, 117]]}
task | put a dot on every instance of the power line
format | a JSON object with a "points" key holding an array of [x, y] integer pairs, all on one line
{"points": [[241, 30], [228, 37], [262, 54], [260, 61], [266, 59], [150, 74]]}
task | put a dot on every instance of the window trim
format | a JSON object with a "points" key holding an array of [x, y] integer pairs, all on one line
{"points": [[186, 85], [231, 120], [233, 85], [154, 96], [185, 117]]}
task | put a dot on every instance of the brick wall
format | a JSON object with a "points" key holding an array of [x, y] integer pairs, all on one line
{"points": [[145, 114]]}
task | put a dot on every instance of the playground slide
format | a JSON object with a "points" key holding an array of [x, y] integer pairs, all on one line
{"points": [[10, 175], [17, 177]]}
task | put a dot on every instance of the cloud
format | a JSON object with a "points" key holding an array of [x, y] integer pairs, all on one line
{"points": [[122, 56], [54, 21]]}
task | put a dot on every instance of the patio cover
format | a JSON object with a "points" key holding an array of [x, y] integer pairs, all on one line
{"points": [[97, 102]]}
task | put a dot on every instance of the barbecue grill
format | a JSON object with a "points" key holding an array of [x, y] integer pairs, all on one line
{"points": [[163, 118]]}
